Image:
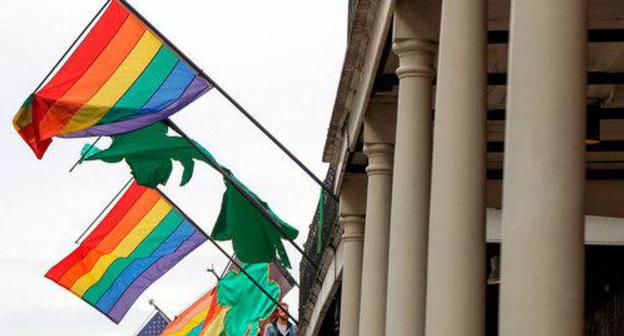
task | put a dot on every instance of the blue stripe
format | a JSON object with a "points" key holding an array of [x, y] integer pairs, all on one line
{"points": [[195, 331], [178, 80], [125, 279]]}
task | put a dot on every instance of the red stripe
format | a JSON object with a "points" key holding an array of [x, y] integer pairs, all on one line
{"points": [[81, 60], [30, 135], [212, 313], [87, 52], [126, 202]]}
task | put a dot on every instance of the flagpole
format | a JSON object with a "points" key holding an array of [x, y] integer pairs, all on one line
{"points": [[239, 107], [288, 276], [153, 304], [224, 252], [230, 258], [218, 168], [265, 213], [71, 46], [284, 272], [84, 155], [213, 272], [227, 267], [104, 210]]}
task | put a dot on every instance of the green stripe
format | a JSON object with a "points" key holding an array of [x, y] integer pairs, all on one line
{"points": [[143, 88], [195, 331], [160, 233]]}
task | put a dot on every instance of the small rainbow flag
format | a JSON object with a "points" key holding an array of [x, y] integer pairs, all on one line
{"points": [[121, 77], [204, 318], [138, 241], [236, 306]]}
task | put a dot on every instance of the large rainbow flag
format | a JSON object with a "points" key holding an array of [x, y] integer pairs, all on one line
{"points": [[121, 77], [139, 240]]}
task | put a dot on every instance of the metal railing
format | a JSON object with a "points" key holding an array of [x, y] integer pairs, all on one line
{"points": [[319, 239], [352, 6]]}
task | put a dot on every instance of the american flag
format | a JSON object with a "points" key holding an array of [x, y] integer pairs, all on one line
{"points": [[154, 326]]}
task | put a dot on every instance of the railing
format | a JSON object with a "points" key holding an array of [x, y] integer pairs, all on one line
{"points": [[321, 229], [352, 6], [319, 239]]}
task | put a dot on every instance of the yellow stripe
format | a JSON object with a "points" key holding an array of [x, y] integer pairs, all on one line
{"points": [[23, 118], [192, 323], [127, 73], [218, 324], [124, 248], [195, 309]]}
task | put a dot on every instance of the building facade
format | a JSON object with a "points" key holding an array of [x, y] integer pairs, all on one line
{"points": [[468, 133]]}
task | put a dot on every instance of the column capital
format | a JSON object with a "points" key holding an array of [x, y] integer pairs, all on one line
{"points": [[416, 57], [380, 158], [353, 195], [417, 19], [380, 123], [353, 207], [353, 226]]}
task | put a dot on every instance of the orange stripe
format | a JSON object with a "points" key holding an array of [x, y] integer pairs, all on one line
{"points": [[93, 79], [143, 205], [209, 323], [200, 305], [115, 87], [216, 326]]}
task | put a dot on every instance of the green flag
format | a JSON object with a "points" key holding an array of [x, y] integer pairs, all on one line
{"points": [[254, 238], [249, 305], [149, 153], [321, 222]]}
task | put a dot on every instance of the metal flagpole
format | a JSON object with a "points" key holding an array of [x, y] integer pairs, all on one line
{"points": [[265, 213], [231, 100], [104, 210], [71, 46], [283, 271], [84, 155], [213, 272], [151, 302], [224, 252], [231, 260], [179, 131], [227, 266], [288, 276]]}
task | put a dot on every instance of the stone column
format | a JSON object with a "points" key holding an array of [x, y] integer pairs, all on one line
{"points": [[352, 210], [542, 281], [415, 36], [456, 267], [379, 125]]}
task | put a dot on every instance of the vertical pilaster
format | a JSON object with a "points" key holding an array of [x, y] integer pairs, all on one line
{"points": [[542, 282]]}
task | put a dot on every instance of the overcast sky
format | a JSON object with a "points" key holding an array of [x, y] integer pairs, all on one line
{"points": [[281, 59]]}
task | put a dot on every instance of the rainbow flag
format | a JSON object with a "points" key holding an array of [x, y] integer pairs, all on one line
{"points": [[203, 318], [236, 306], [139, 240], [121, 77]]}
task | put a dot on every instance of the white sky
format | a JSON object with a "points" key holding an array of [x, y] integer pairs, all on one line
{"points": [[281, 59]]}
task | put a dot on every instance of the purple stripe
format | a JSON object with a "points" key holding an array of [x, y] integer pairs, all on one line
{"points": [[197, 88], [152, 274]]}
